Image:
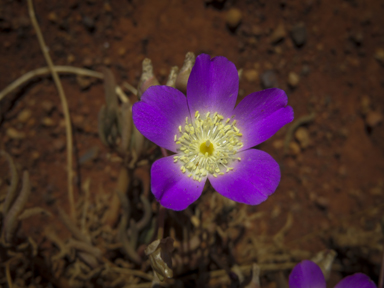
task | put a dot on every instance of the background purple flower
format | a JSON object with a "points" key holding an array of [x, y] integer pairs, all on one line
{"points": [[307, 274], [211, 137]]}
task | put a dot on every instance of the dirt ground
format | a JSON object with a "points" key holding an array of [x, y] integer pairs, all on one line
{"points": [[327, 55]]}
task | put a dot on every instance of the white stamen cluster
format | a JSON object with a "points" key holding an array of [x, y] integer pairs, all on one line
{"points": [[207, 145]]}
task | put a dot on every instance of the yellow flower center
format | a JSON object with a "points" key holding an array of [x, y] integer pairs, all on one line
{"points": [[207, 146]]}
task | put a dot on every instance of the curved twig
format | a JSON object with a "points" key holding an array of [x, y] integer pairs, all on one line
{"points": [[11, 194], [64, 103], [143, 222], [10, 222], [45, 71]]}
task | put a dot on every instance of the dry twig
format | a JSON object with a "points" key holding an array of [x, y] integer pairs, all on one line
{"points": [[68, 127]]}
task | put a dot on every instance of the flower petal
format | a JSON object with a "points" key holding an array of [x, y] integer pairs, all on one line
{"points": [[358, 280], [158, 115], [172, 188], [261, 114], [306, 274], [212, 86], [253, 179]]}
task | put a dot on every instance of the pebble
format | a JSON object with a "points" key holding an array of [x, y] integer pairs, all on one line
{"points": [[257, 30], [251, 75], [299, 34], [357, 37], [278, 34], [58, 144], [293, 79], [122, 51], [233, 18], [24, 115], [47, 106], [269, 79], [278, 144], [373, 118], [294, 148], [90, 155], [87, 62], [78, 120], [302, 136], [15, 134], [70, 58], [379, 55], [83, 82], [47, 122], [89, 23], [322, 202], [365, 104], [52, 17]]}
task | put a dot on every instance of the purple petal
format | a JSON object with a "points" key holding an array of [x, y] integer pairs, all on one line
{"points": [[358, 280], [172, 188], [261, 114], [158, 115], [212, 86], [253, 179], [306, 274]]}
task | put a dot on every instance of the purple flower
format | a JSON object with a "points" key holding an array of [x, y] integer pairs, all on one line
{"points": [[307, 274], [211, 137]]}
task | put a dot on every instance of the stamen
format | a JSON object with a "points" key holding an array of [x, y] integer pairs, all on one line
{"points": [[207, 145]]}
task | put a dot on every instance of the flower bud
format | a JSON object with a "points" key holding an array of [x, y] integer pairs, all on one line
{"points": [[172, 76], [159, 253], [324, 259], [147, 78], [185, 71]]}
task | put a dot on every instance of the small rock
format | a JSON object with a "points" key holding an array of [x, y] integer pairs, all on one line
{"points": [[15, 134], [357, 38], [276, 211], [47, 106], [365, 105], [87, 62], [251, 75], [107, 61], [78, 120], [294, 148], [83, 81], [257, 30], [302, 136], [293, 79], [233, 18], [89, 23], [299, 34], [31, 122], [373, 118], [278, 34], [47, 122], [322, 202], [278, 144], [70, 58], [107, 7], [35, 155], [24, 115], [90, 155], [342, 171], [269, 79], [58, 145], [379, 55], [305, 70], [122, 51], [52, 17]]}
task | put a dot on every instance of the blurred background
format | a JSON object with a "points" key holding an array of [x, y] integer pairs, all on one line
{"points": [[327, 55]]}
